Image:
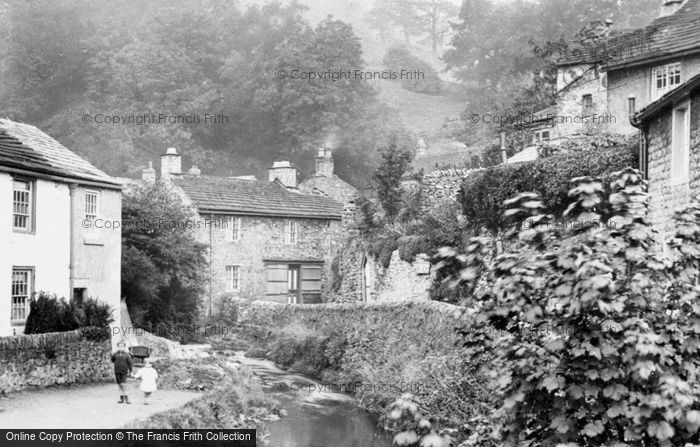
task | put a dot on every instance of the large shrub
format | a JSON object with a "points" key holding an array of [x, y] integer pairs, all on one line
{"points": [[483, 193], [598, 334], [48, 313], [163, 265]]}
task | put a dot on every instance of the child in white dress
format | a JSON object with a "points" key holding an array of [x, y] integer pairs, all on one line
{"points": [[149, 378]]}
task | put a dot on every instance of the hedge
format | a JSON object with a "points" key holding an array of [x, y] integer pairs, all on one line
{"points": [[482, 194]]}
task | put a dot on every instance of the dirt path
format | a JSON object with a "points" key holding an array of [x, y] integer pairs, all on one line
{"points": [[92, 406]]}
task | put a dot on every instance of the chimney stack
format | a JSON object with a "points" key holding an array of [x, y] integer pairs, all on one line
{"points": [[149, 174], [194, 170], [285, 172], [669, 7], [170, 163], [324, 162]]}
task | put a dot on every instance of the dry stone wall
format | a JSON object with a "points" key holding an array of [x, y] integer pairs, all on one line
{"points": [[438, 187], [57, 358]]}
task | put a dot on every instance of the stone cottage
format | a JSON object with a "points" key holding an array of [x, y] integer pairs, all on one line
{"points": [[267, 240], [607, 75], [671, 150], [53, 236]]}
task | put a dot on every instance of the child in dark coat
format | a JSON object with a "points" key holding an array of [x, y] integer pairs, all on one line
{"points": [[122, 368]]}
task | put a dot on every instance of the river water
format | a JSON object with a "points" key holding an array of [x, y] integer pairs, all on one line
{"points": [[314, 418]]}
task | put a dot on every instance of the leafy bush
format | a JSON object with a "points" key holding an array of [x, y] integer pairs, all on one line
{"points": [[48, 313], [483, 193], [399, 58], [598, 330], [162, 265], [300, 349]]}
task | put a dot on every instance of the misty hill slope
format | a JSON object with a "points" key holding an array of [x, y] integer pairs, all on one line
{"points": [[419, 112]]}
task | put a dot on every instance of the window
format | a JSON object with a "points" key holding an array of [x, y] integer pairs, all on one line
{"points": [[290, 232], [587, 105], [21, 292], [23, 205], [541, 136], [233, 278], [665, 79], [91, 205], [233, 229], [680, 143]]}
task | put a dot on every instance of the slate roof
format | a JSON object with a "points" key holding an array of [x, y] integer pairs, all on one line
{"points": [[650, 111], [256, 198], [665, 37], [25, 147]]}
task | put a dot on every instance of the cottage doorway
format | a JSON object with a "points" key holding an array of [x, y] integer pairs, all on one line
{"points": [[294, 284]]}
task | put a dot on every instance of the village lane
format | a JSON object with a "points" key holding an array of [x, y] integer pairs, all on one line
{"points": [[86, 407]]}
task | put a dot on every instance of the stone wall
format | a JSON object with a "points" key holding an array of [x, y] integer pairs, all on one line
{"points": [[403, 280], [425, 327], [42, 360], [666, 195], [438, 187]]}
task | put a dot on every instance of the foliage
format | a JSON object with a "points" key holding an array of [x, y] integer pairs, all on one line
{"points": [[414, 18], [48, 313], [598, 337], [394, 164], [305, 350], [483, 193], [399, 57], [162, 263], [413, 428]]}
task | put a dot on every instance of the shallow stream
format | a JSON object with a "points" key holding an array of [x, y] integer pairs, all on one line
{"points": [[315, 417]]}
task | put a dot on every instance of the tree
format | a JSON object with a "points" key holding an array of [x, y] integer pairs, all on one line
{"points": [[396, 13], [434, 19], [163, 266], [387, 178]]}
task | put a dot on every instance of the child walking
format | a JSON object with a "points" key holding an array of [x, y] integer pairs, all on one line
{"points": [[149, 378], [122, 366]]}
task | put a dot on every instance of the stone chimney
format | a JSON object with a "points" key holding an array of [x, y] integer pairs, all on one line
{"points": [[669, 7], [170, 163], [285, 172], [149, 174], [194, 170], [324, 162]]}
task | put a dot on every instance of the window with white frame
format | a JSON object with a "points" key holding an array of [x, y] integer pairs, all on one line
{"points": [[233, 229], [92, 204], [680, 143], [233, 278], [290, 231], [21, 292], [664, 79], [541, 136], [23, 205]]}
